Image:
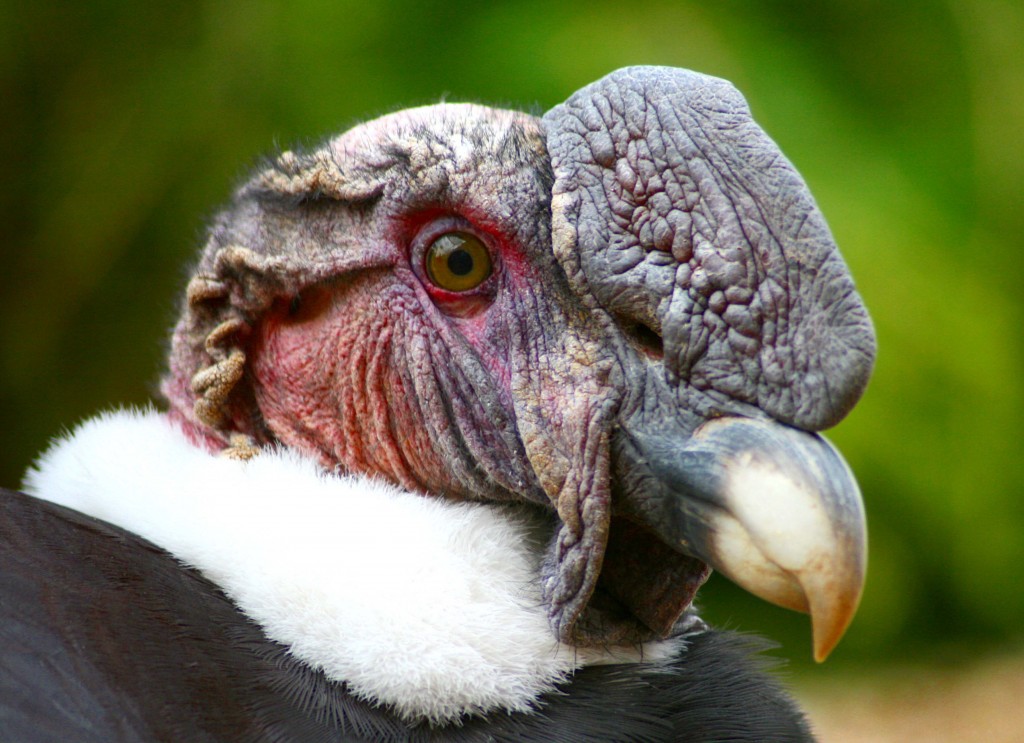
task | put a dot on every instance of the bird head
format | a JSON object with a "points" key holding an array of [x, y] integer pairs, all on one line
{"points": [[628, 313]]}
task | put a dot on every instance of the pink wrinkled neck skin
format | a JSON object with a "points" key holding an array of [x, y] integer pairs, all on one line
{"points": [[197, 435]]}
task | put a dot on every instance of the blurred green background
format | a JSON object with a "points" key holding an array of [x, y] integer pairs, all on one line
{"points": [[124, 125]]}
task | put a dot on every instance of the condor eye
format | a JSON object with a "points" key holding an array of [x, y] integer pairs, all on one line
{"points": [[457, 262]]}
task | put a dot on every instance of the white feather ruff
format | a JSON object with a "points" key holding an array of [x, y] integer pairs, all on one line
{"points": [[428, 606]]}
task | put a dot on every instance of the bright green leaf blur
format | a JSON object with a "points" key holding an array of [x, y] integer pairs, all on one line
{"points": [[125, 124]]}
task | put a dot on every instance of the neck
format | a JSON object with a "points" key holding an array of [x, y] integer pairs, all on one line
{"points": [[428, 606]]}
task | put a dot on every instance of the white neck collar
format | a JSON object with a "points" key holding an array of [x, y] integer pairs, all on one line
{"points": [[428, 606]]}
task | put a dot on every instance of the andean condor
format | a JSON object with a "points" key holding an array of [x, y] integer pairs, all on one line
{"points": [[464, 404]]}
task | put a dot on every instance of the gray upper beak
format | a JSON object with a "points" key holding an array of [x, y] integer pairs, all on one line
{"points": [[774, 508]]}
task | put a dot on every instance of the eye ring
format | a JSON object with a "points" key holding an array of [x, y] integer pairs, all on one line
{"points": [[457, 261]]}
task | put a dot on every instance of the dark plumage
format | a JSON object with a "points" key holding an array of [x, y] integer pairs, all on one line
{"points": [[108, 638], [602, 341]]}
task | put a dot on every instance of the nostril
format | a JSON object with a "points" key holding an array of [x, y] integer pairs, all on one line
{"points": [[646, 340]]}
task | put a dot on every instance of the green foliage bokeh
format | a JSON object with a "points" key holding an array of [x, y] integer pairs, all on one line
{"points": [[125, 124]]}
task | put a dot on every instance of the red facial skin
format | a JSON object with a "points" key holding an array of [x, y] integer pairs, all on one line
{"points": [[337, 371]]}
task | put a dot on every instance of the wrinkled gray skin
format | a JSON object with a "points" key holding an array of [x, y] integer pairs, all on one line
{"points": [[659, 268], [678, 214]]}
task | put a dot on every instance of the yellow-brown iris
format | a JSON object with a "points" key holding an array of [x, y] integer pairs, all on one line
{"points": [[458, 262]]}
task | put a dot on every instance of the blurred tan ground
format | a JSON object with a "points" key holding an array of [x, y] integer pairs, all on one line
{"points": [[981, 701]]}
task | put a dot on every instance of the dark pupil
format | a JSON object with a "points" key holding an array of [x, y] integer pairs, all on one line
{"points": [[460, 262]]}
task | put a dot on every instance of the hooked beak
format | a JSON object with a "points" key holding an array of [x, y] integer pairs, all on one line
{"points": [[774, 508]]}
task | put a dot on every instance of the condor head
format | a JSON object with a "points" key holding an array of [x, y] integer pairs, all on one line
{"points": [[628, 313]]}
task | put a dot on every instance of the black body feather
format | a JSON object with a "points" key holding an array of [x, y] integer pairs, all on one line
{"points": [[105, 637]]}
